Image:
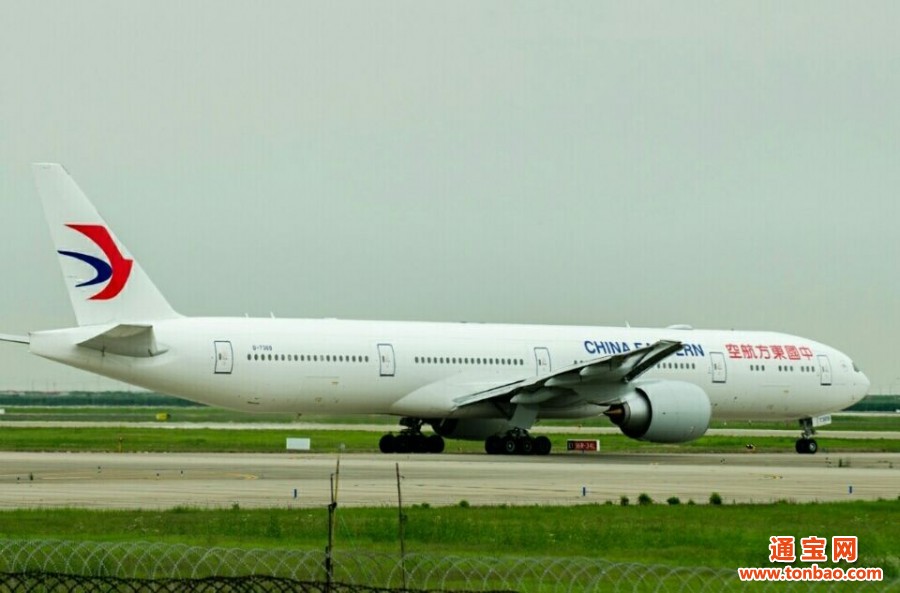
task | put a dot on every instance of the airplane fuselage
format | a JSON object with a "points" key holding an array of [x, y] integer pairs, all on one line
{"points": [[366, 367]]}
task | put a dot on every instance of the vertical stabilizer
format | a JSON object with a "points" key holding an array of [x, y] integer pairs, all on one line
{"points": [[104, 282]]}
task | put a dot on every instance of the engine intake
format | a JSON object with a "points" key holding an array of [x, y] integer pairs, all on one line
{"points": [[663, 412]]}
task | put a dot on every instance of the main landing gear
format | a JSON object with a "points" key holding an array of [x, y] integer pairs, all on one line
{"points": [[411, 439], [806, 444], [517, 442]]}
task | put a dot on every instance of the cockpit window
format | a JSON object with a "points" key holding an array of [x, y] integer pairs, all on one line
{"points": [[856, 368]]}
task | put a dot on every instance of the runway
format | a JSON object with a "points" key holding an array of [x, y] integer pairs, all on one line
{"points": [[162, 481]]}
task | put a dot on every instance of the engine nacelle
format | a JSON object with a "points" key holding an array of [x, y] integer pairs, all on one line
{"points": [[470, 429], [663, 412]]}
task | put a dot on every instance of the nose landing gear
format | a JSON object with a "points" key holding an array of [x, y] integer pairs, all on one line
{"points": [[806, 444]]}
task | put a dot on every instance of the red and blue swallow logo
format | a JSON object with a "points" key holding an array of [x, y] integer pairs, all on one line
{"points": [[116, 270]]}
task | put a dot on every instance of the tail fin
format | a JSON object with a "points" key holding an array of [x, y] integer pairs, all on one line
{"points": [[105, 284]]}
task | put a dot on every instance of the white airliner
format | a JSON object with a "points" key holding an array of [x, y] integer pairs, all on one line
{"points": [[467, 380]]}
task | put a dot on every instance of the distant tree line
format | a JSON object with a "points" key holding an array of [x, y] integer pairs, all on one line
{"points": [[877, 403], [93, 398]]}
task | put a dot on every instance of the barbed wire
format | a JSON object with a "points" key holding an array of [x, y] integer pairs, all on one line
{"points": [[140, 562]]}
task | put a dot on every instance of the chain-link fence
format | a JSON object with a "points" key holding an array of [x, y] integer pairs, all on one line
{"points": [[137, 566], [66, 583]]}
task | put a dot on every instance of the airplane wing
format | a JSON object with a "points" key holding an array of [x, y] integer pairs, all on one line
{"points": [[448, 395], [15, 339], [617, 368]]}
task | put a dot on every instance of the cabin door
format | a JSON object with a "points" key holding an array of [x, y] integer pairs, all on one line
{"points": [[386, 360], [224, 358], [719, 371], [825, 369], [542, 361]]}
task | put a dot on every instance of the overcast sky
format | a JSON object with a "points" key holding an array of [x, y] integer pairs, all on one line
{"points": [[720, 164]]}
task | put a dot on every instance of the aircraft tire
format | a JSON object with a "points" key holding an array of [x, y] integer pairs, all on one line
{"points": [[509, 445], [434, 444], [493, 445], [388, 444], [418, 443], [403, 444], [542, 445], [525, 445], [806, 446]]}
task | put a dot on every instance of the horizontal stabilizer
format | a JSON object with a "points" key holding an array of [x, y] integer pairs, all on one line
{"points": [[126, 340], [15, 339]]}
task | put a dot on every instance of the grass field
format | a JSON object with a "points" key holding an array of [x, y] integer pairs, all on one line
{"points": [[686, 535], [139, 439], [129, 440]]}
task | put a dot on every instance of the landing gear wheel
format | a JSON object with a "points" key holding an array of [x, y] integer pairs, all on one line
{"points": [[812, 446], [403, 444], [388, 444], [411, 439], [806, 446], [509, 445], [525, 445], [517, 442], [542, 445], [493, 445], [434, 444]]}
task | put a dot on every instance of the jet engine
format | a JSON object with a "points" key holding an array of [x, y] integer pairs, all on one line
{"points": [[470, 429], [663, 412]]}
